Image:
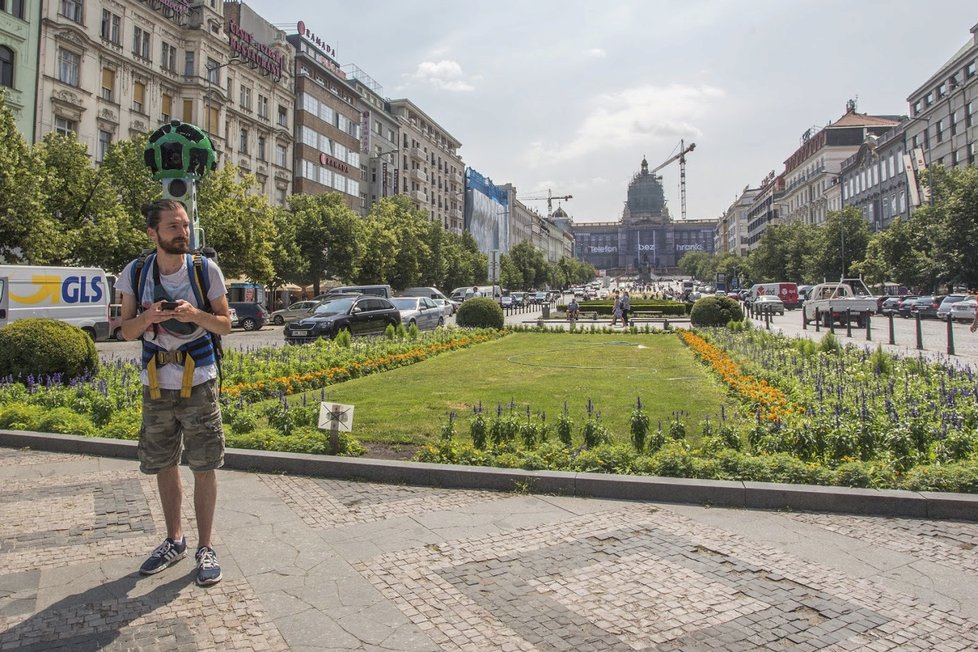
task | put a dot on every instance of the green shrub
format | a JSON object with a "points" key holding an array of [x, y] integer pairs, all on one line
{"points": [[480, 312], [830, 344], [64, 421], [867, 475], [715, 311], [124, 424], [45, 348], [21, 416], [961, 477]]}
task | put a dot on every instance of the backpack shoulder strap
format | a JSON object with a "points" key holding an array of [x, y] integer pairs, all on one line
{"points": [[200, 280], [138, 277]]}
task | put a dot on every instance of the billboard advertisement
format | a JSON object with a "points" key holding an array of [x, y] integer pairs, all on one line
{"points": [[486, 212]]}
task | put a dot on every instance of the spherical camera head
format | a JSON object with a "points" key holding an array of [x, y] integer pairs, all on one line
{"points": [[179, 149]]}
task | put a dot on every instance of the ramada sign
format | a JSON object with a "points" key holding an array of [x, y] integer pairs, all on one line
{"points": [[326, 159]]}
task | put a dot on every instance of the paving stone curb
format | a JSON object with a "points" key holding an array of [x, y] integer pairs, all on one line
{"points": [[749, 495]]}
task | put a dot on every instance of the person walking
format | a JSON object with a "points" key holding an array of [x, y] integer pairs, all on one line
{"points": [[174, 302], [616, 309], [626, 306]]}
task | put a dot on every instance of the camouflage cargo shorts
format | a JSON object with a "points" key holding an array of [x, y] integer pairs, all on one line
{"points": [[171, 423]]}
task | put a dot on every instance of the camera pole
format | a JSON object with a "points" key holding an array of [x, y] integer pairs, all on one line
{"points": [[179, 155]]}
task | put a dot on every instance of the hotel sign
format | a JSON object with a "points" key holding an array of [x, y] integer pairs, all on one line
{"points": [[170, 8], [329, 161], [244, 46]]}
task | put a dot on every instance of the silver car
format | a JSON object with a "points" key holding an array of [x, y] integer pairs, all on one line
{"points": [[447, 305], [964, 311], [422, 311], [298, 310]]}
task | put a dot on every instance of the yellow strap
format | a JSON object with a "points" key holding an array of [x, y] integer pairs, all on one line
{"points": [[187, 385], [154, 381]]}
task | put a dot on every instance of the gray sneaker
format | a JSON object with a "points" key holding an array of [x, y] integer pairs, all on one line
{"points": [[208, 570], [168, 552]]}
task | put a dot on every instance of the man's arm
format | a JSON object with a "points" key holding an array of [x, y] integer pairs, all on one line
{"points": [[134, 325], [218, 321]]}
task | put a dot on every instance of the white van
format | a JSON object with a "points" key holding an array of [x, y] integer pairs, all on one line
{"points": [[77, 295]]}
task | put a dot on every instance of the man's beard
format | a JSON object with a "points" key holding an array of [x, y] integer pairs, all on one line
{"points": [[175, 246]]}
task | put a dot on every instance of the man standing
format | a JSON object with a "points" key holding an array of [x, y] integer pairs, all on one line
{"points": [[174, 302], [626, 306]]}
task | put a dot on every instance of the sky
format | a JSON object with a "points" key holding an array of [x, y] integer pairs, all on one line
{"points": [[569, 96]]}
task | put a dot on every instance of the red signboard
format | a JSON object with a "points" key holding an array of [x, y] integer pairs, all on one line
{"points": [[329, 161]]}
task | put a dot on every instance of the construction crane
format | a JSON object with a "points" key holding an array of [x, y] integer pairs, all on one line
{"points": [[550, 197], [681, 157]]}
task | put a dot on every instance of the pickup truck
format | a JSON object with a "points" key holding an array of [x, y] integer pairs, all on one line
{"points": [[834, 301]]}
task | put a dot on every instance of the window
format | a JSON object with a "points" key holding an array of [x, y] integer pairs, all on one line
{"points": [[167, 107], [68, 65], [64, 126], [245, 99], [110, 27], [168, 57], [261, 148], [6, 66], [243, 141], [104, 141], [189, 67], [72, 10], [942, 90], [280, 154], [283, 116], [929, 99], [939, 130], [108, 83], [141, 43], [188, 111], [16, 8], [969, 70], [954, 122], [139, 97], [213, 72], [969, 114], [262, 106], [213, 119]]}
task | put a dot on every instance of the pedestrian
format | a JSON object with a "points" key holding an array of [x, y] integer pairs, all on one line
{"points": [[626, 306], [616, 309], [176, 304]]}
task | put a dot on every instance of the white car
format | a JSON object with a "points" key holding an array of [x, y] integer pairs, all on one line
{"points": [[421, 311], [964, 311]]}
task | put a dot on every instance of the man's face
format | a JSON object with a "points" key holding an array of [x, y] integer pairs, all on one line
{"points": [[172, 235]]}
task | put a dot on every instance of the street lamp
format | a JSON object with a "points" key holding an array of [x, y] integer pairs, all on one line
{"points": [[211, 73]]}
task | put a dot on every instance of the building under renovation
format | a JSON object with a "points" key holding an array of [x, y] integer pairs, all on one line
{"points": [[646, 240]]}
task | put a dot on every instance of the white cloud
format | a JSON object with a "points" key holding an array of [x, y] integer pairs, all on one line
{"points": [[633, 117], [445, 74], [596, 53]]}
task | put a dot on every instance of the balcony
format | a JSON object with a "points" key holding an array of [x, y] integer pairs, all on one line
{"points": [[418, 175], [416, 153], [418, 196]]}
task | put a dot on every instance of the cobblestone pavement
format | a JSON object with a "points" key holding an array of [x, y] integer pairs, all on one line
{"points": [[321, 564]]}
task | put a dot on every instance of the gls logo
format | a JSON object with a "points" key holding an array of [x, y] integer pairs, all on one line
{"points": [[73, 289]]}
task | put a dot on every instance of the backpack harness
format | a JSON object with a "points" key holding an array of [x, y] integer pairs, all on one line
{"points": [[203, 351]]}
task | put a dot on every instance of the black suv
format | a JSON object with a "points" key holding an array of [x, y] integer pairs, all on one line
{"points": [[251, 316], [359, 314]]}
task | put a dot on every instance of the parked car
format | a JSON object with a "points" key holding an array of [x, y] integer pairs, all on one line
{"points": [[964, 311], [359, 314], [447, 305], [115, 321], [421, 311], [430, 292], [375, 290], [519, 298], [251, 316], [926, 306], [903, 308], [889, 305], [297, 310], [944, 311], [506, 301], [769, 304], [541, 298]]}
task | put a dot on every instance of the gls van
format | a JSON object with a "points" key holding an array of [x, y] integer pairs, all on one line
{"points": [[77, 295]]}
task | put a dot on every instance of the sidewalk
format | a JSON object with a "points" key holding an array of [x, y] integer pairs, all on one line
{"points": [[323, 564]]}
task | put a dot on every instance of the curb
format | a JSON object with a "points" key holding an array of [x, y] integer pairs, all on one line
{"points": [[745, 495]]}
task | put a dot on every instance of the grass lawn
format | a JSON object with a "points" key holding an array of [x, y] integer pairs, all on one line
{"points": [[409, 405]]}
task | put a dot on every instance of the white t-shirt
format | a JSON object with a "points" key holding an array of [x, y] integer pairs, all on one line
{"points": [[177, 285]]}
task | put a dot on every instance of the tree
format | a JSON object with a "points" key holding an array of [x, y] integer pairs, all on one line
{"points": [[288, 265], [694, 262], [838, 243], [24, 226], [530, 263], [329, 235], [238, 223], [950, 226], [509, 274]]}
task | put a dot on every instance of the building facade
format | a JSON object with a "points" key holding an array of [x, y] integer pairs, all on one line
{"points": [[646, 240], [812, 172], [763, 210], [19, 35], [733, 224], [328, 114], [944, 111], [431, 170], [152, 62], [378, 140], [874, 179]]}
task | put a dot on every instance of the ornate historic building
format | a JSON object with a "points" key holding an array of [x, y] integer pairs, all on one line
{"points": [[115, 69], [646, 239]]}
